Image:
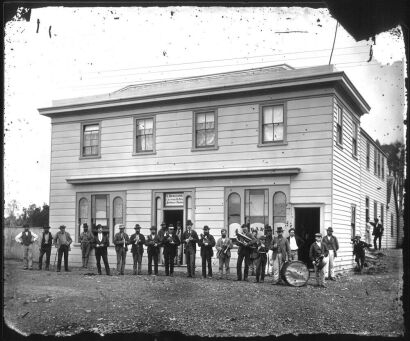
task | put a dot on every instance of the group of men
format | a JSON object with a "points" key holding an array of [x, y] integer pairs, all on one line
{"points": [[264, 254]]}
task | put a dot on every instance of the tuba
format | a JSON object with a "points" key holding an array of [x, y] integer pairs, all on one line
{"points": [[243, 239]]}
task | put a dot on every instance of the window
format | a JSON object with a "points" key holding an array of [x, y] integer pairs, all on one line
{"points": [[378, 164], [256, 207], [382, 160], [375, 210], [99, 211], [144, 138], [353, 221], [354, 139], [234, 213], [90, 144], [273, 124], [375, 161], [368, 155], [205, 130], [367, 208], [158, 212], [279, 208], [391, 224], [339, 125], [189, 208], [118, 212], [82, 213], [381, 214]]}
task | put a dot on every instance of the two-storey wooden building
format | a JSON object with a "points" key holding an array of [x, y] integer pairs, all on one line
{"points": [[273, 145]]}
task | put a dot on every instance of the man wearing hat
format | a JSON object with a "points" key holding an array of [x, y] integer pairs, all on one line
{"points": [[121, 241], [269, 243], [170, 242], [161, 234], [153, 244], [62, 241], [260, 262], [100, 243], [27, 238], [318, 254], [295, 243], [359, 251], [223, 247], [45, 247], [377, 233], [137, 241], [244, 252], [206, 242], [190, 238], [86, 239], [280, 254], [332, 245]]}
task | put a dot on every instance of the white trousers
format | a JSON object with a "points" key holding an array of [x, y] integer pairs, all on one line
{"points": [[329, 267], [269, 264]]}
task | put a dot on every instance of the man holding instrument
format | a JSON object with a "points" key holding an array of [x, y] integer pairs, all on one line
{"points": [[170, 242], [190, 238], [318, 254], [137, 240], [207, 242], [223, 247], [121, 241], [153, 244], [245, 241]]}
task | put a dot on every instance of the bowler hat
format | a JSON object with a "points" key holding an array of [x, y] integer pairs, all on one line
{"points": [[188, 222], [223, 230], [358, 235], [279, 229], [268, 228], [137, 226], [330, 229], [163, 224], [46, 227], [292, 229], [122, 226], [170, 226], [318, 235], [206, 227], [85, 226], [153, 228], [62, 226], [98, 226]]}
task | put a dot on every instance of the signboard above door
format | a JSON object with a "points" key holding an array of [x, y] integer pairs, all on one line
{"points": [[174, 199]]}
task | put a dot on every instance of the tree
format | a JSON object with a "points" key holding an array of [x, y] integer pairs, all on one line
{"points": [[33, 215]]}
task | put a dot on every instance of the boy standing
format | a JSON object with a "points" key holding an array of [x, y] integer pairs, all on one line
{"points": [[318, 253], [223, 247]]}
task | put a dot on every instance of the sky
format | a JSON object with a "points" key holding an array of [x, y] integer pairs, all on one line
{"points": [[73, 52]]}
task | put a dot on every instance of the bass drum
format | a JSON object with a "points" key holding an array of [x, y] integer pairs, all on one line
{"points": [[295, 273]]}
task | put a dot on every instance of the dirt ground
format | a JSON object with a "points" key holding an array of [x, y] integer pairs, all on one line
{"points": [[63, 304]]}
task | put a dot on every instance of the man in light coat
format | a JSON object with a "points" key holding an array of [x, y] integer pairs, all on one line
{"points": [[27, 238], [62, 241], [121, 241], [86, 239], [280, 255]]}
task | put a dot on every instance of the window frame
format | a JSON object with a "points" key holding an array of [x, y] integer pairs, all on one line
{"points": [[339, 139], [368, 151], [378, 164], [261, 143], [367, 208], [374, 209], [135, 152], [195, 148], [382, 166], [355, 138], [375, 161], [83, 125], [381, 214], [353, 218]]}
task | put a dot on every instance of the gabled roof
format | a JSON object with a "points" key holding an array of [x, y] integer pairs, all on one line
{"points": [[277, 76]]}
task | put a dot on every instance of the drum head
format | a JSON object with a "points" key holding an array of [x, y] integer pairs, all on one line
{"points": [[295, 273]]}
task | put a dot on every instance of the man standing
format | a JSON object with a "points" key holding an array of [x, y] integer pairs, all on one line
{"points": [[45, 248], [268, 243], [121, 241], [318, 254], [170, 242], [207, 242], [262, 250], [254, 253], [100, 244], [27, 238], [62, 241], [86, 239], [295, 243], [377, 233], [244, 252], [153, 244], [280, 255], [359, 251], [332, 245], [137, 240], [161, 234], [223, 247], [190, 238]]}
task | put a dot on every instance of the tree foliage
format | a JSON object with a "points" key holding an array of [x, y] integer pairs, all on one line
{"points": [[32, 215]]}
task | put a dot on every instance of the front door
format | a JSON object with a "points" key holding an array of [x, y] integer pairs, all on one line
{"points": [[173, 217], [307, 223]]}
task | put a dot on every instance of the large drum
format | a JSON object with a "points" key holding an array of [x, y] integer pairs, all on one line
{"points": [[295, 273]]}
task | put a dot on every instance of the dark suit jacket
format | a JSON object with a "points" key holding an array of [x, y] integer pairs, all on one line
{"points": [[191, 245], [119, 241], [50, 241], [170, 247], [316, 251], [102, 245], [207, 250], [280, 246], [150, 241], [137, 247]]}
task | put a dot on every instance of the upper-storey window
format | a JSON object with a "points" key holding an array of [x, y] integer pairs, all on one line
{"points": [[205, 131], [90, 144], [339, 136], [354, 139], [382, 160], [367, 155], [375, 161], [144, 137], [378, 164], [273, 124]]}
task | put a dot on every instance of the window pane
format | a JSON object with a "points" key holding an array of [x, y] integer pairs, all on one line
{"points": [[200, 119], [267, 115], [268, 133], [189, 208], [210, 117], [278, 114], [94, 150], [148, 142], [83, 208], [141, 143], [278, 133], [200, 138], [234, 213], [140, 126], [87, 139], [279, 208], [255, 206], [94, 142], [149, 124], [91, 127], [210, 138], [118, 208], [339, 115], [87, 151], [100, 207]]}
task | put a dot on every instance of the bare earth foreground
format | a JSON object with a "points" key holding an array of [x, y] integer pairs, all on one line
{"points": [[64, 304]]}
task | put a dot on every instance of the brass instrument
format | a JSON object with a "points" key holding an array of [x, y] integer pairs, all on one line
{"points": [[205, 239], [243, 239], [319, 262]]}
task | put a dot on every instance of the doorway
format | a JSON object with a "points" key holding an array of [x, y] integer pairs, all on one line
{"points": [[307, 223], [173, 217]]}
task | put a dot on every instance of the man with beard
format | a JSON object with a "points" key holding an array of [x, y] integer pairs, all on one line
{"points": [[170, 242], [207, 242], [223, 247]]}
